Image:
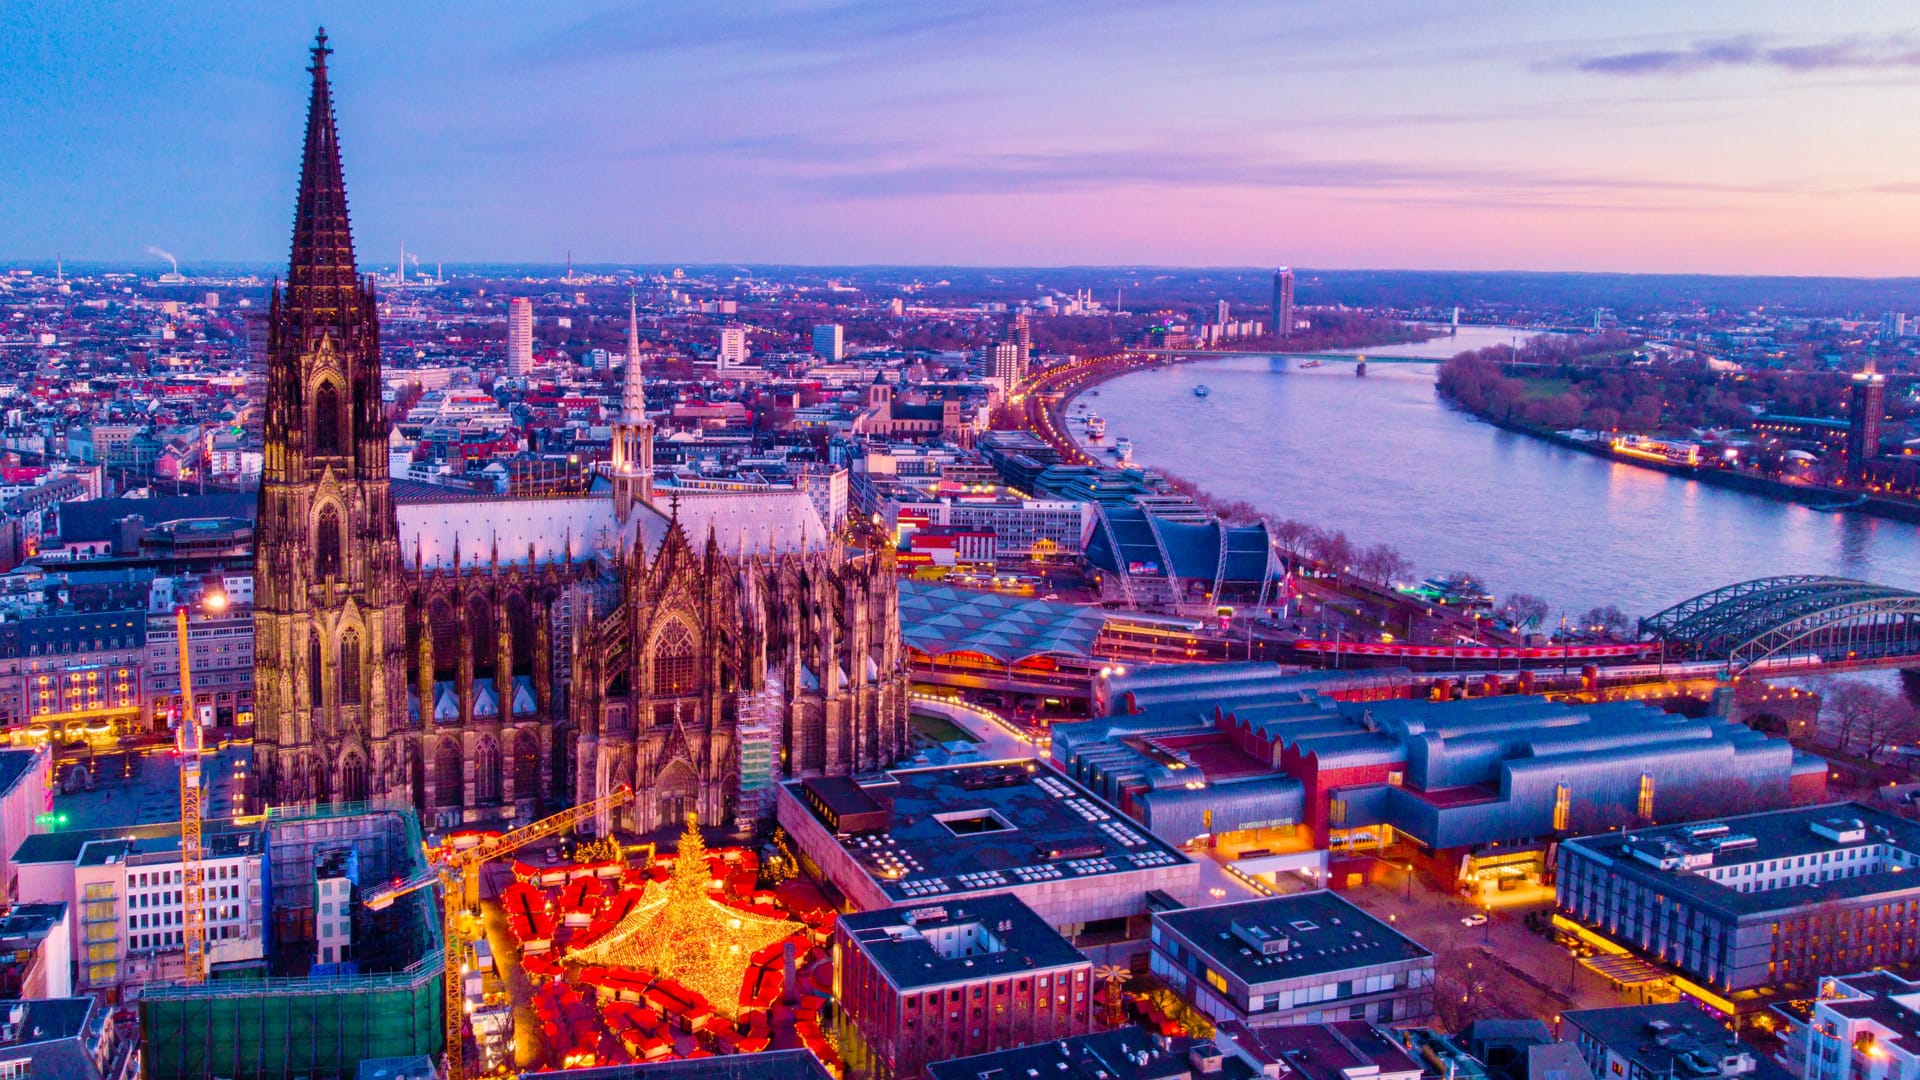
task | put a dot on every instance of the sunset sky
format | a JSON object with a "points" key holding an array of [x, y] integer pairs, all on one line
{"points": [[1736, 137]]}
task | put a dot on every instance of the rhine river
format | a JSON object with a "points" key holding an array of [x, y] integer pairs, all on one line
{"points": [[1383, 459]]}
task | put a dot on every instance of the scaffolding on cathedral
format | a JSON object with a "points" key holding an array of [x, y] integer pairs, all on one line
{"points": [[756, 735], [684, 934]]}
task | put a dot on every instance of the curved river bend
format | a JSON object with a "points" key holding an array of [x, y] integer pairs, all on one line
{"points": [[1383, 459]]}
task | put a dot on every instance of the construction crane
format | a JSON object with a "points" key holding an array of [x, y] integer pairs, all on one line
{"points": [[188, 732], [458, 875]]}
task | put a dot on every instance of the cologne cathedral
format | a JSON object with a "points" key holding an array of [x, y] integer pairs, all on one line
{"points": [[482, 658]]}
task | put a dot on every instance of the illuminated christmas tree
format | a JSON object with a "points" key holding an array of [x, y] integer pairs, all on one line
{"points": [[679, 931]]}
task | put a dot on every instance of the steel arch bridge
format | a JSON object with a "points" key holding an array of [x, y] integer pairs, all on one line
{"points": [[1803, 620]]}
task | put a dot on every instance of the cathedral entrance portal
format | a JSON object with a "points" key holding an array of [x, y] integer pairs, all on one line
{"points": [[676, 794]]}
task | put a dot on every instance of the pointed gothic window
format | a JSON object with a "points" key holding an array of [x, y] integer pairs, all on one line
{"points": [[316, 680], [449, 768], [326, 544], [675, 665], [526, 765], [327, 421], [481, 637], [350, 668], [486, 772]]}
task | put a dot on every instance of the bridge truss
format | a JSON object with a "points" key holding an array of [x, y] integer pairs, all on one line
{"points": [[1791, 621]]}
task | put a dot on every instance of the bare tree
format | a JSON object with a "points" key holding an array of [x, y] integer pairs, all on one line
{"points": [[1608, 619], [1888, 723], [1291, 535], [1459, 989], [1332, 549], [1524, 609], [1849, 710], [1381, 563]]}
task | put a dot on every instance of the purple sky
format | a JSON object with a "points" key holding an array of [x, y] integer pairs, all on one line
{"points": [[1742, 137]]}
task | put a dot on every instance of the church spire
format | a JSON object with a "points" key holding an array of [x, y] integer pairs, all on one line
{"points": [[321, 283], [633, 389]]}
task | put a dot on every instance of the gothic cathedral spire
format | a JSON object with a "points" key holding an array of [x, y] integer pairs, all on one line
{"points": [[329, 615], [632, 432]]}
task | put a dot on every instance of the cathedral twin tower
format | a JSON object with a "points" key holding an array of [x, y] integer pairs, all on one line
{"points": [[485, 659]]}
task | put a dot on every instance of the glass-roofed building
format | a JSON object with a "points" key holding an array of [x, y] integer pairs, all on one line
{"points": [[1149, 561]]}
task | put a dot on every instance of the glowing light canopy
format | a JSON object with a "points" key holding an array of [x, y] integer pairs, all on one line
{"points": [[681, 933]]}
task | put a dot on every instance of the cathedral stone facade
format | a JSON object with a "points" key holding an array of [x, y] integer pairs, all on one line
{"points": [[484, 659]]}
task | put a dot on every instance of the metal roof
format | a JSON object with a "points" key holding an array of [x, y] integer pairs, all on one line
{"points": [[941, 619]]}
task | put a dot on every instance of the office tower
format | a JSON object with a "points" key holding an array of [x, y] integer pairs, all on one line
{"points": [[829, 342], [1003, 365], [1283, 302], [1022, 335], [733, 348], [519, 336], [1221, 313], [1866, 407]]}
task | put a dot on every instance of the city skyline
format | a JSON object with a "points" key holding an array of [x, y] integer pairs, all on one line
{"points": [[1720, 139]]}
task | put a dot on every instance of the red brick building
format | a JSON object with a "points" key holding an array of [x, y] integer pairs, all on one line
{"points": [[972, 976]]}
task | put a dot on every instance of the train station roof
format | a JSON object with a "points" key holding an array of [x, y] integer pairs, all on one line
{"points": [[941, 619]]}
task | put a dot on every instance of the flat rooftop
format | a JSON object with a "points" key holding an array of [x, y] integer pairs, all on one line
{"points": [[1889, 1000], [1104, 1055], [1322, 933], [1657, 1037], [983, 937], [14, 765], [50, 1018], [166, 847], [1697, 850], [1335, 1051], [975, 828]]}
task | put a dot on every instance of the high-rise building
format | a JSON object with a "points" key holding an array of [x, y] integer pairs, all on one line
{"points": [[829, 341], [1866, 408], [519, 336], [733, 348], [1222, 313], [1003, 365], [329, 629], [1022, 336], [1283, 302]]}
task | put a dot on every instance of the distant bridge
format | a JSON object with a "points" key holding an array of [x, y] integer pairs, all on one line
{"points": [[1349, 357], [1805, 621]]}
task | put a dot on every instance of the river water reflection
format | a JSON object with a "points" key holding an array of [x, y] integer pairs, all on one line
{"points": [[1384, 459]]}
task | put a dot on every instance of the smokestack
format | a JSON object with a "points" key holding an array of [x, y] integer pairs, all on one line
{"points": [[165, 255]]}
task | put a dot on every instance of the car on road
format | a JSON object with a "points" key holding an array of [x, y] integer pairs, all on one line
{"points": [[1476, 919]]}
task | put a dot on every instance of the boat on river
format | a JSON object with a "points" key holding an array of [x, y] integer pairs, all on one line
{"points": [[1312, 363], [1452, 590]]}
